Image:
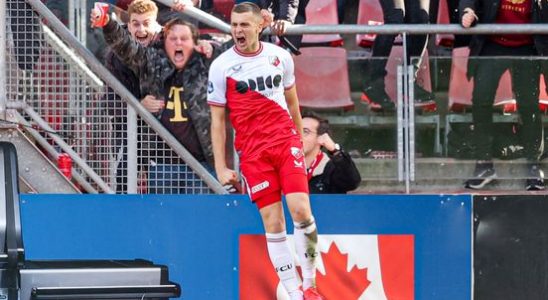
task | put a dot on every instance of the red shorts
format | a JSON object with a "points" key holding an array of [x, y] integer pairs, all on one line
{"points": [[278, 169]]}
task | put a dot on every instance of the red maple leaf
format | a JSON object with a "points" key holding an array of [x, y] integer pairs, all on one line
{"points": [[338, 283]]}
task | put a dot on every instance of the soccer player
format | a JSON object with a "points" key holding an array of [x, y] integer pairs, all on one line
{"points": [[255, 81]]}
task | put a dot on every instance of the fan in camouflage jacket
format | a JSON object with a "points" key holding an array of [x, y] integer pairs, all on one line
{"points": [[157, 74]]}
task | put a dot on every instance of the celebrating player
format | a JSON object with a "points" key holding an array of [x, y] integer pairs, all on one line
{"points": [[255, 81]]}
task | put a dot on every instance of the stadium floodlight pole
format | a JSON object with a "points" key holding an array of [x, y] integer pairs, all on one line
{"points": [[97, 67], [3, 40]]}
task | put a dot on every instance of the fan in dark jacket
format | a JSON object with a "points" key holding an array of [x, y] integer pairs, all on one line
{"points": [[505, 52], [175, 74], [333, 172]]}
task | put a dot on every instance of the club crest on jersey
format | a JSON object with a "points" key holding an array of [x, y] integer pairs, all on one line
{"points": [[274, 60], [296, 152], [298, 164]]}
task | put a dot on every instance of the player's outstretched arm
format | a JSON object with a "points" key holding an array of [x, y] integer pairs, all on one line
{"points": [[218, 141], [293, 106]]}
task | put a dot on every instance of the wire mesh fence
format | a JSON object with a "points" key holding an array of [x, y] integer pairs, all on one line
{"points": [[45, 74]]}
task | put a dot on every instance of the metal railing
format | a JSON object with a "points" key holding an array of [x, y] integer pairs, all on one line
{"points": [[64, 95]]}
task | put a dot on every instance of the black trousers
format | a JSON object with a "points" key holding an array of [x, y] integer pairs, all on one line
{"points": [[525, 72], [397, 12]]}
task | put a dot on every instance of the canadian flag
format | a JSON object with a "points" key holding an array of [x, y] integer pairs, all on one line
{"points": [[356, 266]]}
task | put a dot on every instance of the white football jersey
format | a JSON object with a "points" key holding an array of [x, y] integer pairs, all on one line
{"points": [[252, 86]]}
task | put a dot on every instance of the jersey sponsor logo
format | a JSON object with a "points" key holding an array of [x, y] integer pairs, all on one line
{"points": [[210, 88], [259, 187], [274, 60], [259, 84]]}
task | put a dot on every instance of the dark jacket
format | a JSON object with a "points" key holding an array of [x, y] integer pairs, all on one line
{"points": [[115, 106], [155, 72], [123, 73], [487, 10], [334, 175], [282, 10], [288, 10]]}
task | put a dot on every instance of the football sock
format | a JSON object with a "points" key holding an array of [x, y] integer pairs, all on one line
{"points": [[280, 256], [306, 245]]}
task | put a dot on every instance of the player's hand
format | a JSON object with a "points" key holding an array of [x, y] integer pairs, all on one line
{"points": [[468, 18], [327, 142], [280, 26], [180, 5], [205, 48], [268, 18], [152, 104], [227, 176]]}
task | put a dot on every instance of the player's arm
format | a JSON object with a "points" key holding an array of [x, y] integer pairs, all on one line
{"points": [[218, 141], [293, 106]]}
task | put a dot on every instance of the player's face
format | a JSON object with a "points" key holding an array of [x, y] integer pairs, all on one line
{"points": [[245, 28], [143, 27], [310, 135], [179, 45]]}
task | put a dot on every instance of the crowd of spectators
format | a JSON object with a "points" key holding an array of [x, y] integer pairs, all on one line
{"points": [[163, 69], [284, 13]]}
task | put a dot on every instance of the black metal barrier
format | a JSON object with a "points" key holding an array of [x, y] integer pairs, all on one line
{"points": [[511, 247]]}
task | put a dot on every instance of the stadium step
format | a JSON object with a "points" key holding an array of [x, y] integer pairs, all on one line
{"points": [[438, 175]]}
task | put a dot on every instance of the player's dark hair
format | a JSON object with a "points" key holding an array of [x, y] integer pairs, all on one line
{"points": [[180, 21], [323, 124], [247, 7]]}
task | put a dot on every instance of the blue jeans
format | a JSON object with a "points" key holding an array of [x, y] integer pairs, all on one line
{"points": [[176, 179]]}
